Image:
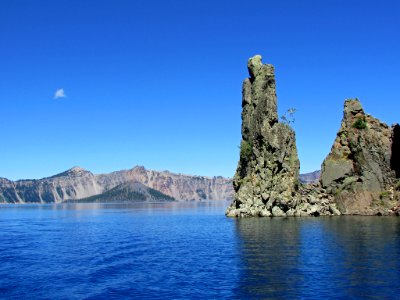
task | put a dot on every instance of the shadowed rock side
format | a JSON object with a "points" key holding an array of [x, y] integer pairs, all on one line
{"points": [[360, 171], [395, 160], [266, 182]]}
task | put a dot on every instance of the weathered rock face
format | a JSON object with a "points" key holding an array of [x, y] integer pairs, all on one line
{"points": [[268, 169], [359, 176], [78, 183], [130, 191], [266, 182], [360, 170], [178, 186], [72, 184]]}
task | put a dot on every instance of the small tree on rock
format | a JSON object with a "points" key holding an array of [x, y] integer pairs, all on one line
{"points": [[288, 118]]}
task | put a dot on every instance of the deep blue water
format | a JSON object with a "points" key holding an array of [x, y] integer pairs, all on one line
{"points": [[191, 250]]}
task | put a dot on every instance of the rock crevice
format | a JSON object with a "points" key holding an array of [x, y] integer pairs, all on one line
{"points": [[395, 160]]}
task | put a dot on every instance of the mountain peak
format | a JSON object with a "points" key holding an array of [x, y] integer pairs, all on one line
{"points": [[74, 171], [139, 168]]}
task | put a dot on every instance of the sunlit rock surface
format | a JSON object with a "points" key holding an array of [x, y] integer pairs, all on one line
{"points": [[266, 182]]}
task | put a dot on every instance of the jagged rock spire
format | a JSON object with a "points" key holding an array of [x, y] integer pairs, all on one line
{"points": [[358, 176], [267, 174]]}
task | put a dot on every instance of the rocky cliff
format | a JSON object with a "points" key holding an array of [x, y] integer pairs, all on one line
{"points": [[361, 169], [266, 182], [178, 186], [359, 176], [72, 184], [130, 191], [78, 183]]}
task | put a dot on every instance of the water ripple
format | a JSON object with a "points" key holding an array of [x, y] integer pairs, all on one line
{"points": [[181, 251]]}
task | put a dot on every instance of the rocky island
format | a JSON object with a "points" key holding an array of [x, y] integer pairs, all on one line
{"points": [[359, 176]]}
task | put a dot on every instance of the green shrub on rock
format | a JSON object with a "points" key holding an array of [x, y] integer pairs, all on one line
{"points": [[246, 150], [360, 123], [384, 194]]}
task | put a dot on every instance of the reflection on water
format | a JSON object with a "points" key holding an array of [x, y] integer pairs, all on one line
{"points": [[117, 251], [192, 251], [218, 205], [324, 257], [269, 255]]}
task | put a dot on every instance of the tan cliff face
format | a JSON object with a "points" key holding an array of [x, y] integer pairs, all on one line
{"points": [[178, 186], [78, 183], [68, 185]]}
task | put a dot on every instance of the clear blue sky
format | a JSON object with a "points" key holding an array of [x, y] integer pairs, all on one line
{"points": [[158, 83]]}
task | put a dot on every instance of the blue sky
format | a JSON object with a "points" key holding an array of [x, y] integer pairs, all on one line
{"points": [[158, 83]]}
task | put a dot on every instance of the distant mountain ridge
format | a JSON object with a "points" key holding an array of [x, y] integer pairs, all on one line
{"points": [[312, 177], [78, 183]]}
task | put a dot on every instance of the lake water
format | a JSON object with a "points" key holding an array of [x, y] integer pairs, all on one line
{"points": [[191, 250]]}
